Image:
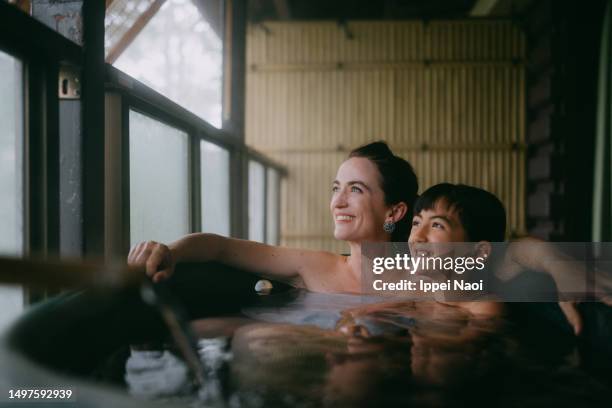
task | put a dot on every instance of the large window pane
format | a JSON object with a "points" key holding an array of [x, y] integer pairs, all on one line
{"points": [[215, 188], [257, 201], [159, 180], [178, 52], [11, 177], [272, 209]]}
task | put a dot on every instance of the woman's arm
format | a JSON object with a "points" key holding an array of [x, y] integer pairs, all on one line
{"points": [[285, 264], [569, 275]]}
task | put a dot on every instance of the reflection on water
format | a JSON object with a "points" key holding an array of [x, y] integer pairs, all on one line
{"points": [[424, 354], [156, 373], [161, 374]]}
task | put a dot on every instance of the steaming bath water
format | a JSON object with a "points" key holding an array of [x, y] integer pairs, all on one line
{"points": [[422, 354], [285, 350]]}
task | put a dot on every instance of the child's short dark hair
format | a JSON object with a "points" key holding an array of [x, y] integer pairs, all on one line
{"points": [[481, 213]]}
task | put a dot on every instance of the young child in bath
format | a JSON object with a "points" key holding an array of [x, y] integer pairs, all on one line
{"points": [[445, 213], [452, 213]]}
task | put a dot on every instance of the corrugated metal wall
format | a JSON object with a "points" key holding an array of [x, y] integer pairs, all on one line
{"points": [[448, 96]]}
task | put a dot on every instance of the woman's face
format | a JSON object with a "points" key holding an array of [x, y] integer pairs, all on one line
{"points": [[358, 202]]}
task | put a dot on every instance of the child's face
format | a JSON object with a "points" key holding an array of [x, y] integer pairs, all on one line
{"points": [[438, 225], [439, 233], [433, 235]]}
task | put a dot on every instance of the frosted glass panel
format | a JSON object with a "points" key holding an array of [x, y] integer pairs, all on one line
{"points": [[257, 201], [273, 212], [214, 173], [159, 180], [11, 178], [179, 52]]}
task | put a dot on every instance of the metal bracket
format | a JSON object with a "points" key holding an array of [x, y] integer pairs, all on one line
{"points": [[69, 85]]}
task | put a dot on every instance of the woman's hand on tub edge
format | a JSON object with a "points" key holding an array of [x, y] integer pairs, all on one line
{"points": [[156, 257]]}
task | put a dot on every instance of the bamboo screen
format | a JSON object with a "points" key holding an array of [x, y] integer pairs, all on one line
{"points": [[446, 95]]}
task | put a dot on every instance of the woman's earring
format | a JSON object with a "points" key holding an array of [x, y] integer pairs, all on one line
{"points": [[389, 227]]}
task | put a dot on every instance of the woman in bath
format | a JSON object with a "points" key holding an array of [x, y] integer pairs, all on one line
{"points": [[371, 197]]}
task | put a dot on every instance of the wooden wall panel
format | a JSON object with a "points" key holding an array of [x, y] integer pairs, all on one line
{"points": [[446, 95]]}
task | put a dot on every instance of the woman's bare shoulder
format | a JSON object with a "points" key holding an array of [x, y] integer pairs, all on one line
{"points": [[321, 262], [324, 272]]}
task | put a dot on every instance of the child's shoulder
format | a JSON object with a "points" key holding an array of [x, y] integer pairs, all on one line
{"points": [[485, 308]]}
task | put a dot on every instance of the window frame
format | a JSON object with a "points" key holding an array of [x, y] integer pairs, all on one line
{"points": [[277, 199], [137, 96], [198, 170], [268, 164], [42, 52], [253, 158], [160, 117], [27, 151]]}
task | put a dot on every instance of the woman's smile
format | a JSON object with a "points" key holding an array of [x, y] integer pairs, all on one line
{"points": [[358, 203], [344, 218]]}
